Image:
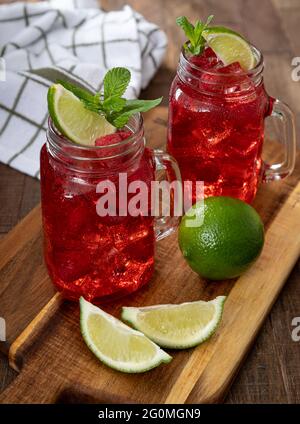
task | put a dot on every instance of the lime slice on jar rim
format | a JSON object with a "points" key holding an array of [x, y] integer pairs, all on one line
{"points": [[117, 345], [73, 120], [177, 326], [230, 47]]}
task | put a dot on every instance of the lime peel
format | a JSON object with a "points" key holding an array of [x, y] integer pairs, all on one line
{"points": [[177, 326], [117, 345], [227, 243], [73, 120], [230, 47]]}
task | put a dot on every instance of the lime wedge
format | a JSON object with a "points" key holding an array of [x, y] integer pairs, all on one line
{"points": [[177, 326], [117, 345], [230, 47], [73, 120]]}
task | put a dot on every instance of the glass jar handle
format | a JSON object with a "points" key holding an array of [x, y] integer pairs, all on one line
{"points": [[166, 225], [279, 171]]}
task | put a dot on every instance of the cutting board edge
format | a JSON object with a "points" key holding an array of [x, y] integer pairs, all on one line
{"points": [[27, 337]]}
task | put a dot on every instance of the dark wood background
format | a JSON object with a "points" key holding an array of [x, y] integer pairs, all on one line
{"points": [[271, 372]]}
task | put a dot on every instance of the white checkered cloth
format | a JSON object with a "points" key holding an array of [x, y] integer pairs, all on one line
{"points": [[41, 42]]}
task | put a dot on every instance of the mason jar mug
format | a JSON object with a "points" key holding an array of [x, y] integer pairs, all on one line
{"points": [[216, 126], [90, 253]]}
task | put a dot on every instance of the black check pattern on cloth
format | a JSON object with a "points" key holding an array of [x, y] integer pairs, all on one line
{"points": [[42, 42]]}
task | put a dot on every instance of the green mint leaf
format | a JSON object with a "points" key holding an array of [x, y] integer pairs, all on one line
{"points": [[141, 105], [116, 109], [208, 21], [116, 82], [120, 121], [198, 30], [131, 107], [187, 27], [77, 91], [196, 42], [91, 106], [90, 101], [115, 104], [198, 50]]}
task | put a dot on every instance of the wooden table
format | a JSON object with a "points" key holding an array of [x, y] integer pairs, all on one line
{"points": [[271, 373]]}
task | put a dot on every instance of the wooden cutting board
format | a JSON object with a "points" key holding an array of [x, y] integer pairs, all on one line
{"points": [[43, 336]]}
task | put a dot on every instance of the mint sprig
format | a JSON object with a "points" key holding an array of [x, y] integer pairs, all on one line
{"points": [[196, 42], [110, 103], [116, 82]]}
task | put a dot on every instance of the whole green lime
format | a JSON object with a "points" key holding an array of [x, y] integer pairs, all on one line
{"points": [[226, 243]]}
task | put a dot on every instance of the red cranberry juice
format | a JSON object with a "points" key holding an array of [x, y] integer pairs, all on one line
{"points": [[216, 127], [86, 254]]}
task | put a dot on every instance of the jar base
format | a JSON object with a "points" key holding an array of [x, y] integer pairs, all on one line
{"points": [[99, 299]]}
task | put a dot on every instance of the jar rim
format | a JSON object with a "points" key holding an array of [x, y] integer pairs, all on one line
{"points": [[252, 73], [65, 141], [65, 150]]}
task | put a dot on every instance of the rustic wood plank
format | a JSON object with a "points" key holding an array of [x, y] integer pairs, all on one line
{"points": [[260, 380], [288, 351], [279, 83], [290, 23], [270, 372], [7, 373], [27, 273], [12, 183], [30, 196], [229, 11], [264, 27], [286, 4]]}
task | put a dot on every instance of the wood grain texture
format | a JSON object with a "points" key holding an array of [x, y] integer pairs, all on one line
{"points": [[271, 372], [22, 277], [19, 346], [45, 351]]}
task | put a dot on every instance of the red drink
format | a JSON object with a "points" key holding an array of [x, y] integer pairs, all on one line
{"points": [[216, 125], [86, 254]]}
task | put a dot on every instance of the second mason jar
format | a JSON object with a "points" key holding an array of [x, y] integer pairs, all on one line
{"points": [[216, 126]]}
